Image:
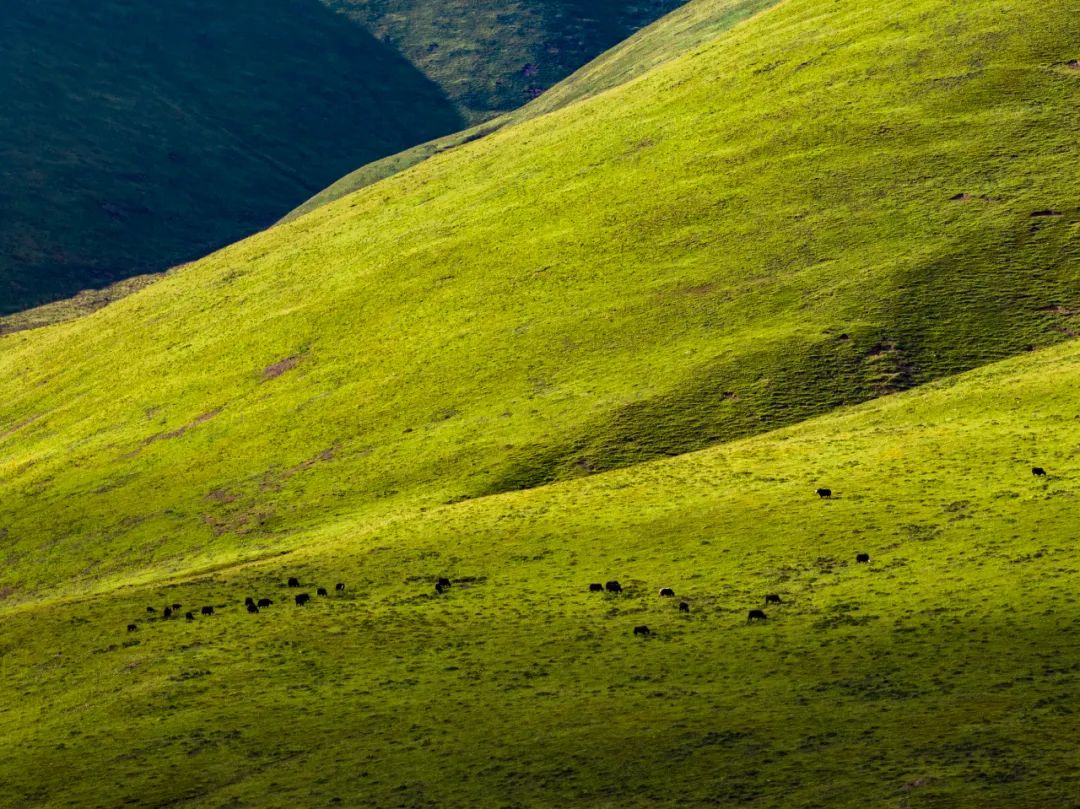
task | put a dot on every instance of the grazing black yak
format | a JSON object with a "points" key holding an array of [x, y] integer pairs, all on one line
{"points": [[667, 592], [772, 598], [824, 492], [756, 615], [613, 587], [642, 630]]}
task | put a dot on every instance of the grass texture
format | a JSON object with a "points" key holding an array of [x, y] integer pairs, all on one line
{"points": [[942, 673]]}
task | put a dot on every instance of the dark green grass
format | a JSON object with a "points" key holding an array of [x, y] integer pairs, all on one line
{"points": [[942, 674], [136, 137]]}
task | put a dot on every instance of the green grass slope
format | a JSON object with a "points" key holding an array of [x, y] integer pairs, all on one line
{"points": [[678, 32], [942, 674], [756, 233]]}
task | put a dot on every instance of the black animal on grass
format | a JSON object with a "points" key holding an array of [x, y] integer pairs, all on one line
{"points": [[321, 591], [302, 599], [132, 627], [772, 598], [756, 615], [596, 588], [151, 610], [1038, 471], [862, 557], [190, 616], [440, 588], [167, 612], [207, 610], [613, 587], [823, 493], [293, 581], [667, 592], [249, 601], [643, 630], [252, 608], [176, 607], [684, 607], [265, 602], [445, 582], [340, 587]]}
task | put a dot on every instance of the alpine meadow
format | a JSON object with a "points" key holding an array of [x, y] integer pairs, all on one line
{"points": [[696, 427]]}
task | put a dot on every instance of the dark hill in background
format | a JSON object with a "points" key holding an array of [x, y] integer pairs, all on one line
{"points": [[489, 56], [136, 136]]}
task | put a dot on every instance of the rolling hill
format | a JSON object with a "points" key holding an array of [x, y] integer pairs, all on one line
{"points": [[135, 137], [943, 673], [632, 277], [624, 339]]}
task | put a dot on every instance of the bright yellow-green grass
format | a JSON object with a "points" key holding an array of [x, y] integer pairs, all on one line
{"points": [[942, 674], [680, 31], [755, 233]]}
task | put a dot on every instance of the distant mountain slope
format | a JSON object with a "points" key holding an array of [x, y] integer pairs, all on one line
{"points": [[490, 56], [137, 136], [819, 207], [678, 32]]}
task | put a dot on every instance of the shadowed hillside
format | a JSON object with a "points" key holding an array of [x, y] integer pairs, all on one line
{"points": [[136, 136], [139, 135]]}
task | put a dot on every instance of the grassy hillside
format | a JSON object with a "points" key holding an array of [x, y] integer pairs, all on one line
{"points": [[138, 136], [673, 35], [943, 673], [761, 231]]}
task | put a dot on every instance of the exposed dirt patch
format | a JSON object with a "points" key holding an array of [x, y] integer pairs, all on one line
{"points": [[17, 427], [223, 496], [280, 367], [6, 592], [1056, 309], [274, 482], [1046, 212], [205, 417]]}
